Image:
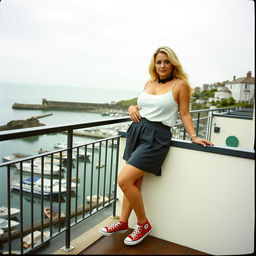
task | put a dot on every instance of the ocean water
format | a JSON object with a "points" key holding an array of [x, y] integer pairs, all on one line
{"points": [[33, 94]]}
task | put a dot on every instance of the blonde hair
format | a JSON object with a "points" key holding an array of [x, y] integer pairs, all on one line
{"points": [[177, 70]]}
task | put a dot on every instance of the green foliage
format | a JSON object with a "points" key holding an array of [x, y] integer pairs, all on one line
{"points": [[126, 103]]}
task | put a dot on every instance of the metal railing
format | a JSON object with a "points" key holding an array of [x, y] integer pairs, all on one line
{"points": [[93, 166], [96, 171], [202, 120]]}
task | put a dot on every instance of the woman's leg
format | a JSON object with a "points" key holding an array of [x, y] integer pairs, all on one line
{"points": [[126, 206], [126, 180]]}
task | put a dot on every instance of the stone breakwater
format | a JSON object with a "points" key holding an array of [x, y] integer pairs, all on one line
{"points": [[63, 105]]}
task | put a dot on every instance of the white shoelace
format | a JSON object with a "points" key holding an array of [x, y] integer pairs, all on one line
{"points": [[114, 225], [136, 231]]}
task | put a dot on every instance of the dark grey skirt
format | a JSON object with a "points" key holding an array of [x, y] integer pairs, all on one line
{"points": [[147, 144]]}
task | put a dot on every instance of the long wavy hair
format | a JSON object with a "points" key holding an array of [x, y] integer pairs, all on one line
{"points": [[177, 70]]}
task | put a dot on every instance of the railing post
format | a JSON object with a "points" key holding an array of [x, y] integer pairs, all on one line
{"points": [[116, 175], [209, 125], [68, 247], [197, 125]]}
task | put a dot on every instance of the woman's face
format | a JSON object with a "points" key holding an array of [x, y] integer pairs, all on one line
{"points": [[163, 66]]}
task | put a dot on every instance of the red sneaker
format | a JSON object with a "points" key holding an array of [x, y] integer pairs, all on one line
{"points": [[116, 227], [138, 234]]}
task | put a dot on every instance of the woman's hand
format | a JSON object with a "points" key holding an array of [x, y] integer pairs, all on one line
{"points": [[202, 142], [134, 113]]}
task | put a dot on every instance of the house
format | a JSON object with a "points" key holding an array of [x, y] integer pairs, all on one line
{"points": [[243, 88], [222, 93]]}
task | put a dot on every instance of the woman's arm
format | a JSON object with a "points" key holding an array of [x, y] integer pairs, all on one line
{"points": [[134, 113], [184, 99]]}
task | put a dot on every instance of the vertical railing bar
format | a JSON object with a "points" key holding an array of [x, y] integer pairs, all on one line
{"points": [[9, 205], [85, 159], [32, 203], [59, 199], [198, 121], [42, 198], [105, 170], [77, 171], [116, 174], [98, 184], [51, 187], [91, 185], [68, 193], [111, 171], [21, 208]]}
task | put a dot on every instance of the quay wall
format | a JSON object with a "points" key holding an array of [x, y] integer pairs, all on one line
{"points": [[64, 105]]}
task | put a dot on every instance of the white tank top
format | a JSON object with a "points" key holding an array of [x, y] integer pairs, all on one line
{"points": [[158, 108]]}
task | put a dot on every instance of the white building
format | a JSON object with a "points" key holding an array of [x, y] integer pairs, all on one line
{"points": [[222, 93], [242, 89]]}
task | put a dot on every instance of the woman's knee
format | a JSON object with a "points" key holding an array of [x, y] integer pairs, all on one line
{"points": [[123, 182]]}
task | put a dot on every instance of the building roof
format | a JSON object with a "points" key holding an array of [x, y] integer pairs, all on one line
{"points": [[243, 80], [224, 89]]}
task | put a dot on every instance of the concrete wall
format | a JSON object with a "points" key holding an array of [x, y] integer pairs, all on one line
{"points": [[202, 200], [241, 128]]}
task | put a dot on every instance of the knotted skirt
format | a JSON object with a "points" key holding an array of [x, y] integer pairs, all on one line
{"points": [[147, 144]]}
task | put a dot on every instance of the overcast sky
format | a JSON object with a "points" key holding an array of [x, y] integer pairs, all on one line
{"points": [[109, 43]]}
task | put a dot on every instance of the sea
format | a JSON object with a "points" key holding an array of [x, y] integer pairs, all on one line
{"points": [[11, 93]]}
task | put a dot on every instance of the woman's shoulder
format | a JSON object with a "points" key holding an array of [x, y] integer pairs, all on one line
{"points": [[148, 84]]}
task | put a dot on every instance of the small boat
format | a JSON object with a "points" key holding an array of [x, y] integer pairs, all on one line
{"points": [[1, 231], [54, 212], [94, 199], [48, 190], [60, 145], [4, 212], [37, 168], [8, 158], [27, 240], [100, 165], [4, 224]]}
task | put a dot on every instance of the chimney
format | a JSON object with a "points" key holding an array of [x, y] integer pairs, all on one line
{"points": [[234, 77], [249, 74]]}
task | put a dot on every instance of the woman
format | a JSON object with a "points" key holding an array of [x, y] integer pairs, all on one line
{"points": [[149, 136]]}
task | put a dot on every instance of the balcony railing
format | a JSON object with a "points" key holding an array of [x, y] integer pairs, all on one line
{"points": [[65, 180]]}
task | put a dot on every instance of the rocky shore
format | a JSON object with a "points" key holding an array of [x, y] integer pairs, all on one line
{"points": [[20, 124]]}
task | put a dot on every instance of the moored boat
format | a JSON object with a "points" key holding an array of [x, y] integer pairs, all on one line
{"points": [[27, 240], [94, 199], [4, 224], [49, 187], [54, 212], [4, 212]]}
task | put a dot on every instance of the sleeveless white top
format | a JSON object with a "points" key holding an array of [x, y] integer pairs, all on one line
{"points": [[158, 107]]}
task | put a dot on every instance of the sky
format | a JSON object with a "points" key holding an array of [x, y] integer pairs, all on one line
{"points": [[109, 43]]}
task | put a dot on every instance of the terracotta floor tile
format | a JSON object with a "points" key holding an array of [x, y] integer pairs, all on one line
{"points": [[168, 248]]}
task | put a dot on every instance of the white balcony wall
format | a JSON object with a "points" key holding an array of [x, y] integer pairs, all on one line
{"points": [[241, 128], [202, 200]]}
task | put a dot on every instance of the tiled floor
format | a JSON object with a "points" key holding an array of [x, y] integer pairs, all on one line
{"points": [[114, 245]]}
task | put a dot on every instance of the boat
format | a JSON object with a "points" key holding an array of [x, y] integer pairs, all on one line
{"points": [[27, 240], [60, 145], [48, 190], [4, 212], [4, 224], [37, 168], [54, 212], [94, 199], [100, 165], [8, 158], [1, 231]]}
